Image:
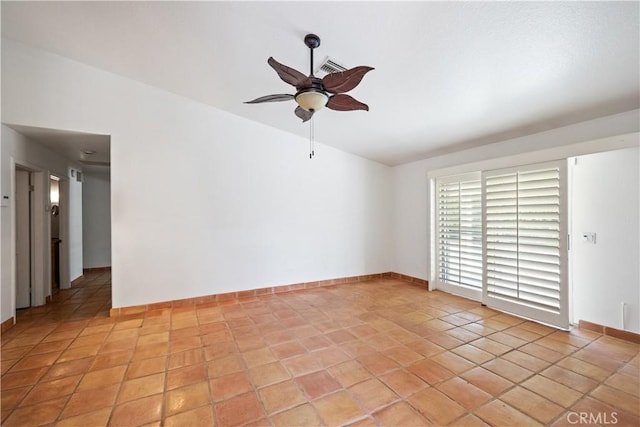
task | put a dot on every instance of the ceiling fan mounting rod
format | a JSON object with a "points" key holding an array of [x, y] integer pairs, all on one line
{"points": [[312, 41]]}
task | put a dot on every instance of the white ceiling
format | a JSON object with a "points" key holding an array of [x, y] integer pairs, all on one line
{"points": [[448, 75]]}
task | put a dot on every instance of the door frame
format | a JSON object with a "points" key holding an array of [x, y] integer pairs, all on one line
{"points": [[41, 235]]}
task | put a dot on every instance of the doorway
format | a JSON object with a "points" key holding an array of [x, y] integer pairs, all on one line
{"points": [[24, 237]]}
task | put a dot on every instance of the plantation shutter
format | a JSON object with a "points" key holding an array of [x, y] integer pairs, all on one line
{"points": [[525, 242], [459, 213]]}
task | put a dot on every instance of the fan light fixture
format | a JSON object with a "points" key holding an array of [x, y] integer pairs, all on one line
{"points": [[312, 99], [313, 93]]}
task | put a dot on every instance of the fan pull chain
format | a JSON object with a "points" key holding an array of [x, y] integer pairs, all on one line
{"points": [[312, 141]]}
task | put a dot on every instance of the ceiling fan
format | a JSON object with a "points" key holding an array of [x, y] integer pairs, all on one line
{"points": [[313, 93]]}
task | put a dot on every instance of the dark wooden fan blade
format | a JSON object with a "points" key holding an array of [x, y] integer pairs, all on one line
{"points": [[271, 98], [289, 75], [343, 102], [344, 81], [304, 114]]}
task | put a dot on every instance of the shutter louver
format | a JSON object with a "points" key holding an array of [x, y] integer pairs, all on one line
{"points": [[522, 213], [460, 233]]}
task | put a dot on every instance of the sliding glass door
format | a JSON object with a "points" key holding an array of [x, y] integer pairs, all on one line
{"points": [[502, 239]]}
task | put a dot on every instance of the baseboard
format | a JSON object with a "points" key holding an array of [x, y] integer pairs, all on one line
{"points": [[96, 270], [77, 280], [7, 324], [235, 296], [612, 332]]}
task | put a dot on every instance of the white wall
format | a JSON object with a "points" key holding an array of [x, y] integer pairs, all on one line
{"points": [[96, 220], [203, 201], [606, 200], [411, 184], [17, 149]]}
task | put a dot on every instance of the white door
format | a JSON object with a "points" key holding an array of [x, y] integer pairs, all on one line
{"points": [[23, 240]]}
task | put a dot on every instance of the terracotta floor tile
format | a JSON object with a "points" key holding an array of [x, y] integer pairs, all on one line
{"points": [[569, 378], [542, 352], [316, 342], [338, 409], [372, 394], [36, 361], [109, 360], [498, 413], [150, 351], [618, 399], [44, 391], [281, 396], [146, 367], [430, 371], [425, 348], [137, 412], [377, 363], [507, 339], [78, 353], [474, 354], [230, 385], [11, 398], [403, 383], [48, 347], [261, 356], [628, 383], [400, 414], [83, 401], [453, 362], [378, 346], [487, 381], [141, 387], [491, 346], [35, 415], [357, 348], [552, 390], [288, 349], [526, 360], [102, 377], [330, 356], [95, 419], [349, 373], [21, 378], [436, 406], [521, 333], [470, 420], [225, 366], [303, 364], [202, 416], [532, 404], [612, 415], [508, 370], [88, 340], [268, 374], [464, 393], [180, 377], [340, 336], [239, 410], [317, 384], [584, 368], [185, 398], [462, 334], [301, 416], [403, 355]]}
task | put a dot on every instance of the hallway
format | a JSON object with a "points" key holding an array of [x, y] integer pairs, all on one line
{"points": [[375, 353]]}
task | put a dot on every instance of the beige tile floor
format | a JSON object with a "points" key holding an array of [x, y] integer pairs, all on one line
{"points": [[381, 353]]}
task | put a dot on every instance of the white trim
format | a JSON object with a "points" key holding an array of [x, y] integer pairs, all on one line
{"points": [[556, 153]]}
